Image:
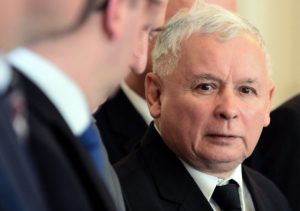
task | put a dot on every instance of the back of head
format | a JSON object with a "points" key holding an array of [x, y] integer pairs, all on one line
{"points": [[205, 20], [27, 21]]}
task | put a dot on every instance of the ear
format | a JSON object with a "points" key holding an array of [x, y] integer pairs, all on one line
{"points": [[270, 97], [114, 18], [153, 94]]}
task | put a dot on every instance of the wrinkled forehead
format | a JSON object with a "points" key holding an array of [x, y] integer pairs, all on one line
{"points": [[207, 52]]}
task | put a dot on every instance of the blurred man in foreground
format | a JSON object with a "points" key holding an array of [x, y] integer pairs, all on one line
{"points": [[24, 21], [66, 79]]}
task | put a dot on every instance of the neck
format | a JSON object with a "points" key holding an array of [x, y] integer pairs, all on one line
{"points": [[80, 55], [71, 63], [222, 170]]}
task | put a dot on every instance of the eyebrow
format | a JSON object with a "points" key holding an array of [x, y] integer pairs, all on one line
{"points": [[207, 76], [250, 80]]}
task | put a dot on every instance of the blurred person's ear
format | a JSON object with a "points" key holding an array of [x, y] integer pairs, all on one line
{"points": [[114, 16]]}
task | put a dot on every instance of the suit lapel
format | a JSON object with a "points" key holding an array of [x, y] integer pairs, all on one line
{"points": [[42, 108], [173, 181], [257, 194]]}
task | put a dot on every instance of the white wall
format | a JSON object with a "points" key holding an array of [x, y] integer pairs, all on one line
{"points": [[279, 23]]}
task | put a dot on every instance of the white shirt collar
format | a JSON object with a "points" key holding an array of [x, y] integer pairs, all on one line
{"points": [[5, 74], [208, 183], [57, 86], [138, 103]]}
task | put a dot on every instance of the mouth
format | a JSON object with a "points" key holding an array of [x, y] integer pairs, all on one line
{"points": [[223, 138]]}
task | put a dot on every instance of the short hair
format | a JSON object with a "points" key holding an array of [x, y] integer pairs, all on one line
{"points": [[204, 19]]}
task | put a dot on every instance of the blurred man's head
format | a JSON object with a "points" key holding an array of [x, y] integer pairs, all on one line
{"points": [[140, 54], [53, 17], [24, 21], [98, 54], [146, 17], [210, 91]]}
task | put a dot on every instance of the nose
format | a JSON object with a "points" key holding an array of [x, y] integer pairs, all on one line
{"points": [[226, 106]]}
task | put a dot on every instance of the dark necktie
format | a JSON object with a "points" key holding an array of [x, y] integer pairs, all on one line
{"points": [[227, 197], [91, 141]]}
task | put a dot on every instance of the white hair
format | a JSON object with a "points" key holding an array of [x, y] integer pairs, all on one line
{"points": [[205, 19]]}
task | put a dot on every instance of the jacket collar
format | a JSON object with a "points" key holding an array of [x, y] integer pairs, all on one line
{"points": [[172, 179]]}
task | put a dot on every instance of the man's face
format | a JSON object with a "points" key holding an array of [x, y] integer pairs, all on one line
{"points": [[153, 20], [214, 104], [140, 20], [172, 8]]}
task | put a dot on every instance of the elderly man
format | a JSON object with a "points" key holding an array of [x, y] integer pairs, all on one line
{"points": [[124, 118], [210, 96], [65, 80]]}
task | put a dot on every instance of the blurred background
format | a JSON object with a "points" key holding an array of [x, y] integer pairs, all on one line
{"points": [[278, 21]]}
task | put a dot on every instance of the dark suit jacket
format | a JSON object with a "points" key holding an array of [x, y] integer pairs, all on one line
{"points": [[121, 126], [277, 154], [153, 178], [68, 177], [19, 189]]}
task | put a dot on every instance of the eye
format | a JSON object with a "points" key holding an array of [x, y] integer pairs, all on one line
{"points": [[247, 90], [206, 88]]}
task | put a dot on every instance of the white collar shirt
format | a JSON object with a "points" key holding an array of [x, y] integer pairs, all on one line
{"points": [[5, 75], [208, 183], [64, 93]]}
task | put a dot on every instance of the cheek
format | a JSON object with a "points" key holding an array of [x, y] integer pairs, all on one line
{"points": [[11, 11], [184, 122], [139, 60], [185, 116]]}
